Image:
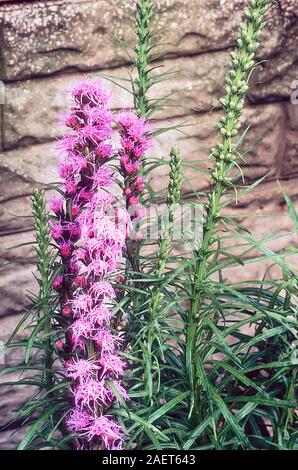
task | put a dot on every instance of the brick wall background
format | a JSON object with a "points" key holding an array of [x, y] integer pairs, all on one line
{"points": [[46, 45]]}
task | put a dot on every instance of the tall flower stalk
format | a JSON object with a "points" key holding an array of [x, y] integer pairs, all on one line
{"points": [[243, 61], [156, 304], [45, 268], [90, 233], [146, 78]]}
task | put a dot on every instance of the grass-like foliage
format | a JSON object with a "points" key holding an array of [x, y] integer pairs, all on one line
{"points": [[210, 364], [44, 412]]}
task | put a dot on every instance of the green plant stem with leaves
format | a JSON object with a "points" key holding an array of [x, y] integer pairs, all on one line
{"points": [[44, 266], [225, 155], [154, 325], [145, 107], [140, 88]]}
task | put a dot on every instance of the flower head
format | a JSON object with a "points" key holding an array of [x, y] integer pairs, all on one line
{"points": [[81, 369], [56, 204], [92, 392], [91, 93], [104, 428], [112, 363], [106, 341]]}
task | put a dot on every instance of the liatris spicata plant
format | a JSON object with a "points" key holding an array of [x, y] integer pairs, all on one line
{"points": [[205, 364], [90, 233]]}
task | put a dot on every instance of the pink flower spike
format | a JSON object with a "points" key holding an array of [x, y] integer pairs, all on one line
{"points": [[90, 234]]}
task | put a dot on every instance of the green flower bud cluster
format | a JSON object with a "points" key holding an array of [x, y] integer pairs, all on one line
{"points": [[174, 196], [143, 82], [44, 266], [174, 188], [42, 231], [243, 60]]}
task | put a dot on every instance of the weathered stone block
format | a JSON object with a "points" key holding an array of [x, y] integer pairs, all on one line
{"points": [[43, 38]]}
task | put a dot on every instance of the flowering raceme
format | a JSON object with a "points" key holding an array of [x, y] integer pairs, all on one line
{"points": [[90, 233], [135, 141]]}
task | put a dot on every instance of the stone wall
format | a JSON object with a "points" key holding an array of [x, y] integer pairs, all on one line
{"points": [[47, 45]]}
